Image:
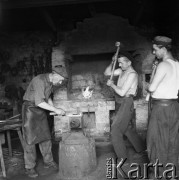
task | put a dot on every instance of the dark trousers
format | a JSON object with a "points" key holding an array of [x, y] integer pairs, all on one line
{"points": [[120, 127], [30, 153], [162, 135]]}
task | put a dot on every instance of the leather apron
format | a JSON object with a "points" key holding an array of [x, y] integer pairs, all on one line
{"points": [[35, 125]]}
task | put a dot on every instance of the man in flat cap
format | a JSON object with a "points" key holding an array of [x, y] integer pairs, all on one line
{"points": [[125, 90], [162, 135], [37, 100]]}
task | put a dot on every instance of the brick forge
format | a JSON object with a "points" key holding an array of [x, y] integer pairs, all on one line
{"points": [[101, 109], [90, 51], [96, 110]]}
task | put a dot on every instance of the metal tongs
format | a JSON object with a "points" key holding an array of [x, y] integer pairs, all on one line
{"points": [[11, 119]]}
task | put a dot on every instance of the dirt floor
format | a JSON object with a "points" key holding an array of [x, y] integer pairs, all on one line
{"points": [[104, 150]]}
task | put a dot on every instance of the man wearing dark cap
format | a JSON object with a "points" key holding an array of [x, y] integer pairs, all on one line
{"points": [[125, 90], [162, 135], [37, 100]]}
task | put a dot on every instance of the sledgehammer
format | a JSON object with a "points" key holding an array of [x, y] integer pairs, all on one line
{"points": [[115, 60]]}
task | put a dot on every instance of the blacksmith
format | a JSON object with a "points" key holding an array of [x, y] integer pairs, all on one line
{"points": [[37, 102], [125, 90], [162, 135]]}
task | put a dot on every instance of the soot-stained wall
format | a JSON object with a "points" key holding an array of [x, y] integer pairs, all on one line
{"points": [[90, 63]]}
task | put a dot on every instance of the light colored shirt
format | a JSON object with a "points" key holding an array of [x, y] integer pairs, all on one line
{"points": [[39, 89]]}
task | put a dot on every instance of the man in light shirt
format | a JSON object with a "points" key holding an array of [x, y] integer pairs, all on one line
{"points": [[37, 101]]}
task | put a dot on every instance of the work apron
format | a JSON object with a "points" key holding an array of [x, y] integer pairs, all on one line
{"points": [[35, 125]]}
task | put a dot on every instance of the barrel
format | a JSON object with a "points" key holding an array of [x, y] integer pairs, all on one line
{"points": [[77, 156]]}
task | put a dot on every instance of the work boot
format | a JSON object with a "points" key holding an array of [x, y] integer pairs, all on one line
{"points": [[31, 173], [51, 165]]}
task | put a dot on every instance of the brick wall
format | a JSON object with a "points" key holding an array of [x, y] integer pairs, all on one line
{"points": [[18, 51]]}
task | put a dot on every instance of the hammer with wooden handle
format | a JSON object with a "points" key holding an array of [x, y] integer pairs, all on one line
{"points": [[151, 79], [148, 97], [116, 56]]}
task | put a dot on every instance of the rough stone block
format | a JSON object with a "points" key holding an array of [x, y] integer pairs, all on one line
{"points": [[58, 56], [100, 107]]}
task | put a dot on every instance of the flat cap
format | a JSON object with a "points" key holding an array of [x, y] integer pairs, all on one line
{"points": [[162, 40], [126, 54], [61, 70]]}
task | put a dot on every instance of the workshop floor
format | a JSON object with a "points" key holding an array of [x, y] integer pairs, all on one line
{"points": [[104, 150]]}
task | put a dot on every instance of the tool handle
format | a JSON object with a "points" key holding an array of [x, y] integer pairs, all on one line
{"points": [[147, 97], [116, 56], [53, 113], [16, 116], [151, 79]]}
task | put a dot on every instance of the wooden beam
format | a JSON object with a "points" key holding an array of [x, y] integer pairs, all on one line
{"points": [[14, 4], [49, 19], [140, 13]]}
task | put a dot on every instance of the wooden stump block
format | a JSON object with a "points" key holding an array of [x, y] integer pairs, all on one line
{"points": [[2, 141]]}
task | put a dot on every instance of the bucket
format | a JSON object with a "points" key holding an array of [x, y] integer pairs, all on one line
{"points": [[77, 156]]}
